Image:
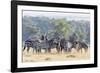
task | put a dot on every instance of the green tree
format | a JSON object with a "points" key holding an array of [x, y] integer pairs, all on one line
{"points": [[79, 33], [61, 26]]}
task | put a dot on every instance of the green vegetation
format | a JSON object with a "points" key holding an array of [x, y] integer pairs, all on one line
{"points": [[63, 27]]}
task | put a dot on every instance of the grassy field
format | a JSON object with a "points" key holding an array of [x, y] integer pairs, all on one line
{"points": [[54, 56]]}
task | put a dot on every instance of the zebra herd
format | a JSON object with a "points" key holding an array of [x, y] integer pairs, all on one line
{"points": [[61, 44]]}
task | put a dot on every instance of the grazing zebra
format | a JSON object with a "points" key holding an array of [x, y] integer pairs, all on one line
{"points": [[34, 44], [66, 45], [81, 45], [44, 44], [54, 43], [37, 44]]}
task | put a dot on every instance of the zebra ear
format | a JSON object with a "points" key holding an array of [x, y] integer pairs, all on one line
{"points": [[42, 37]]}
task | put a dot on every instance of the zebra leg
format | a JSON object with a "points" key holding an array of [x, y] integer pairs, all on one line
{"points": [[28, 49], [78, 49], [69, 50], [46, 50], [58, 49], [39, 50], [61, 49], [24, 47], [81, 50], [65, 49], [33, 50], [49, 50], [36, 50], [86, 50]]}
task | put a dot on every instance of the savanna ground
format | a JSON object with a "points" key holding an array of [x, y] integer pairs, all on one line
{"points": [[54, 56]]}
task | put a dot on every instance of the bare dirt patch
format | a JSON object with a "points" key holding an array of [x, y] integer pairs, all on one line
{"points": [[54, 56]]}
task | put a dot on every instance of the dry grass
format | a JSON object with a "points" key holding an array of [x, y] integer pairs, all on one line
{"points": [[54, 56]]}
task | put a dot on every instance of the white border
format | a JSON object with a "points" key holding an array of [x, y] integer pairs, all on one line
{"points": [[38, 64]]}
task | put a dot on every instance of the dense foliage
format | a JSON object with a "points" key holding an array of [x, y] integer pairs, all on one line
{"points": [[37, 26]]}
